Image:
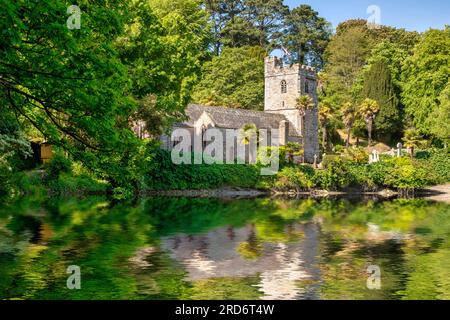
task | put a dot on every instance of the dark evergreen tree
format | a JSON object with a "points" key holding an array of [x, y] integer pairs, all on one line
{"points": [[267, 16], [306, 35], [378, 86]]}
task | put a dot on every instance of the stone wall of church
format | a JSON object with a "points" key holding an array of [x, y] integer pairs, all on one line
{"points": [[275, 73], [283, 85]]}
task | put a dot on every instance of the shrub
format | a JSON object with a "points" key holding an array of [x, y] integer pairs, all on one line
{"points": [[165, 175], [437, 163], [405, 174], [369, 177], [298, 178], [335, 176], [68, 184], [57, 165], [329, 158], [356, 155], [266, 155]]}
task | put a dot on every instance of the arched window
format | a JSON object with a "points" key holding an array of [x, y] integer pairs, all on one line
{"points": [[283, 86]]}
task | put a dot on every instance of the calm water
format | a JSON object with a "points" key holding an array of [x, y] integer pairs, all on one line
{"points": [[213, 249]]}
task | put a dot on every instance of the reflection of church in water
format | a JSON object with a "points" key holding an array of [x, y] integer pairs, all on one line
{"points": [[286, 270]]}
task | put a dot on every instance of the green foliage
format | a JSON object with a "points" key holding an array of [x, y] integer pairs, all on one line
{"points": [[440, 117], [368, 111], [391, 56], [326, 118], [413, 139], [14, 148], [304, 102], [346, 55], [334, 176], [267, 155], [57, 165], [406, 175], [297, 178], [267, 18], [425, 76], [64, 177], [168, 176], [164, 47], [81, 80], [306, 36], [398, 173], [293, 149], [367, 62], [233, 79], [356, 155], [378, 86], [69, 185], [431, 167], [437, 164], [369, 177], [90, 79], [238, 32]]}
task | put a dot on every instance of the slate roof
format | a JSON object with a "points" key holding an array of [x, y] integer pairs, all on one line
{"points": [[235, 118]]}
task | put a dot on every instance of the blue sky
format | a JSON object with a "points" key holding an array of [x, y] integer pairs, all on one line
{"points": [[418, 15]]}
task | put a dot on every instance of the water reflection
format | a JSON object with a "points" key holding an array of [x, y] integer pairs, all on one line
{"points": [[236, 252], [166, 248]]}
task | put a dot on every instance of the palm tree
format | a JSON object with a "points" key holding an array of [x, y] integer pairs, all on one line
{"points": [[348, 117], [369, 109], [247, 133], [325, 114], [413, 140], [304, 103], [322, 79]]}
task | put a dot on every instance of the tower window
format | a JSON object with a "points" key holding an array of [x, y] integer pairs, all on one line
{"points": [[283, 86], [307, 87]]}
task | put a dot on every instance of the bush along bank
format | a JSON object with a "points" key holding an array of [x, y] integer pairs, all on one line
{"points": [[168, 176], [403, 174], [59, 177], [338, 174]]}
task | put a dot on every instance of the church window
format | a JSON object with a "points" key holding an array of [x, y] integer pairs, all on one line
{"points": [[283, 86]]}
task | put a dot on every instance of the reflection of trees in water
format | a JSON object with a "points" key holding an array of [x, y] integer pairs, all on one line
{"points": [[300, 248]]}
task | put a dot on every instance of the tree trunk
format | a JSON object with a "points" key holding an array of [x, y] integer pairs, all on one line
{"points": [[347, 144], [369, 130]]}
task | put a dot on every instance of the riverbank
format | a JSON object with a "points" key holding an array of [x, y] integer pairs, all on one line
{"points": [[439, 193], [426, 176]]}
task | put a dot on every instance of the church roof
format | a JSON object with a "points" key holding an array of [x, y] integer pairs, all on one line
{"points": [[231, 118]]}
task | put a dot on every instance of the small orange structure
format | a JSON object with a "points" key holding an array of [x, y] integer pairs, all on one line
{"points": [[42, 151], [46, 152]]}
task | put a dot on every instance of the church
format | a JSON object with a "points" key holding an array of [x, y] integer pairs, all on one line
{"points": [[284, 84]]}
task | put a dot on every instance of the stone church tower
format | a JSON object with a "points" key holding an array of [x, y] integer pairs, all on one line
{"points": [[283, 85]]}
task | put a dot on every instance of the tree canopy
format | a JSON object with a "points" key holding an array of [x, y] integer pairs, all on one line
{"points": [[306, 36], [378, 85], [233, 79], [425, 76], [80, 87]]}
